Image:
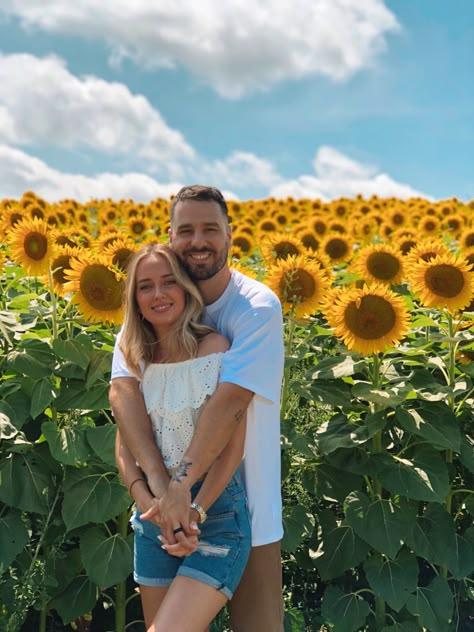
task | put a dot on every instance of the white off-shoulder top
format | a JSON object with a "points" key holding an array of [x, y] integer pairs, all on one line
{"points": [[174, 396]]}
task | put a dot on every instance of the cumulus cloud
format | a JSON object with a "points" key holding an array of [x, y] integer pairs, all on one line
{"points": [[239, 170], [20, 172], [42, 103], [337, 175], [236, 47]]}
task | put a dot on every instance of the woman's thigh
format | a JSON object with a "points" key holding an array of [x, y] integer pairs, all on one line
{"points": [[152, 597]]}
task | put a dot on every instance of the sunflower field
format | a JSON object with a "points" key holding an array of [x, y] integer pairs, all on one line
{"points": [[377, 409]]}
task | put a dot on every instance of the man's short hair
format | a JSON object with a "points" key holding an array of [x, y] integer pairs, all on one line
{"points": [[200, 193]]}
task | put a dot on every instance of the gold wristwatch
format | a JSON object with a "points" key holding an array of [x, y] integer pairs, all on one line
{"points": [[201, 512]]}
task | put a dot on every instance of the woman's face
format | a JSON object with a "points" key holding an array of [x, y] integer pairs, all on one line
{"points": [[160, 299]]}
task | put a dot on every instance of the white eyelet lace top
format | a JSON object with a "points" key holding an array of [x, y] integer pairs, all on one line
{"points": [[174, 396]]}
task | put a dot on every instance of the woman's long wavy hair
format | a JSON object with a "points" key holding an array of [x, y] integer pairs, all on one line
{"points": [[138, 340]]}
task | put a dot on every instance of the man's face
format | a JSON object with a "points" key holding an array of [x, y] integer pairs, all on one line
{"points": [[201, 238]]}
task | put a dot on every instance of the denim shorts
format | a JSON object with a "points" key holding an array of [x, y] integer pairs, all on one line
{"points": [[224, 545]]}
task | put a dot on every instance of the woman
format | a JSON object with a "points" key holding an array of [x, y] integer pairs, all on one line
{"points": [[177, 360]]}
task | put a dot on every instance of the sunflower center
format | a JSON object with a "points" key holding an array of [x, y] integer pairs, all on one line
{"points": [[383, 265], [284, 249], [100, 288], [373, 318], [336, 248], [444, 280], [297, 285], [36, 245], [59, 265]]}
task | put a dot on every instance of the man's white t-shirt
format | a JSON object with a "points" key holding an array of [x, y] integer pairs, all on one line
{"points": [[249, 315]]}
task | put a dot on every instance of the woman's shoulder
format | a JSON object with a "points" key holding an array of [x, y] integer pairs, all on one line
{"points": [[212, 343]]}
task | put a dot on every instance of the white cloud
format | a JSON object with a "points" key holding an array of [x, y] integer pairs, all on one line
{"points": [[20, 172], [42, 103], [238, 46], [337, 175], [239, 170]]}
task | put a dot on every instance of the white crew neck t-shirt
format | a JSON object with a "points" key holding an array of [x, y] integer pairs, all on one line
{"points": [[249, 315]]}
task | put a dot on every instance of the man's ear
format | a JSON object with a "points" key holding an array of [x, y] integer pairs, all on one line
{"points": [[170, 238]]}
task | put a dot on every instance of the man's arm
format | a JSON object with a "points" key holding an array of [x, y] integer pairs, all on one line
{"points": [[222, 415], [128, 407]]}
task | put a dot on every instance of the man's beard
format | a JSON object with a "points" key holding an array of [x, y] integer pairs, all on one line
{"points": [[204, 271]]}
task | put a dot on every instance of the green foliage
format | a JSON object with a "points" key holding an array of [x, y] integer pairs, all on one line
{"points": [[378, 451]]}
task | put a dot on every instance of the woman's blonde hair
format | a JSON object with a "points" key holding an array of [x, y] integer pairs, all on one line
{"points": [[138, 340]]}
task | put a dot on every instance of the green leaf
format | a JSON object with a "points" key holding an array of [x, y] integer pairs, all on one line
{"points": [[27, 480], [336, 367], [78, 351], [433, 531], [402, 626], [346, 612], [102, 441], [433, 605], [393, 580], [467, 452], [339, 433], [384, 524], [79, 598], [107, 558], [61, 569], [294, 620], [76, 396], [423, 477], [335, 484], [27, 364], [100, 365], [42, 396], [68, 445], [329, 393], [297, 524], [7, 429], [339, 550], [17, 407], [92, 495], [13, 537], [388, 397], [434, 421]]}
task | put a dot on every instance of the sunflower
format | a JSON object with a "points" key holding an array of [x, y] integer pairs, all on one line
{"points": [[368, 319], [425, 250], [300, 284], [60, 262], [445, 281], [280, 246], [119, 252], [244, 241], [337, 247], [379, 263], [267, 225], [98, 289], [466, 238], [31, 242], [429, 225], [308, 238]]}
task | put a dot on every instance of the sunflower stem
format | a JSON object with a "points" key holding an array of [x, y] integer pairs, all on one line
{"points": [[377, 438], [287, 369], [54, 304]]}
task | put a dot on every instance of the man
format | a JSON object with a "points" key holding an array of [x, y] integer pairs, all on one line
{"points": [[249, 315]]}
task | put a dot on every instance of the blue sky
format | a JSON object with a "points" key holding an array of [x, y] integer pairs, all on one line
{"points": [[313, 98]]}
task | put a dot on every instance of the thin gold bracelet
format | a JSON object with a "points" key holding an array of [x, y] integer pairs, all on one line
{"points": [[132, 484]]}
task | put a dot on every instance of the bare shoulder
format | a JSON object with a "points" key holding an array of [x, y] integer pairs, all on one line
{"points": [[212, 343]]}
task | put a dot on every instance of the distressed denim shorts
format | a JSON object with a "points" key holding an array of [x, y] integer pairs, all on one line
{"points": [[224, 545]]}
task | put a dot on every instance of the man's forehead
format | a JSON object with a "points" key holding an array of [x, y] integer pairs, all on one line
{"points": [[197, 212]]}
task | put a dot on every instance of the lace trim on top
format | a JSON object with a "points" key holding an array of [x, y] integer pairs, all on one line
{"points": [[174, 395]]}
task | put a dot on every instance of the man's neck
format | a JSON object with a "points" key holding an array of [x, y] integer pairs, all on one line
{"points": [[213, 289]]}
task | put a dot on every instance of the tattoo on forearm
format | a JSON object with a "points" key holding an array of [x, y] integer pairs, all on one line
{"points": [[238, 416], [181, 471]]}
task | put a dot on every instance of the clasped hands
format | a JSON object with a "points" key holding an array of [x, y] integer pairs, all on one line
{"points": [[172, 513]]}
